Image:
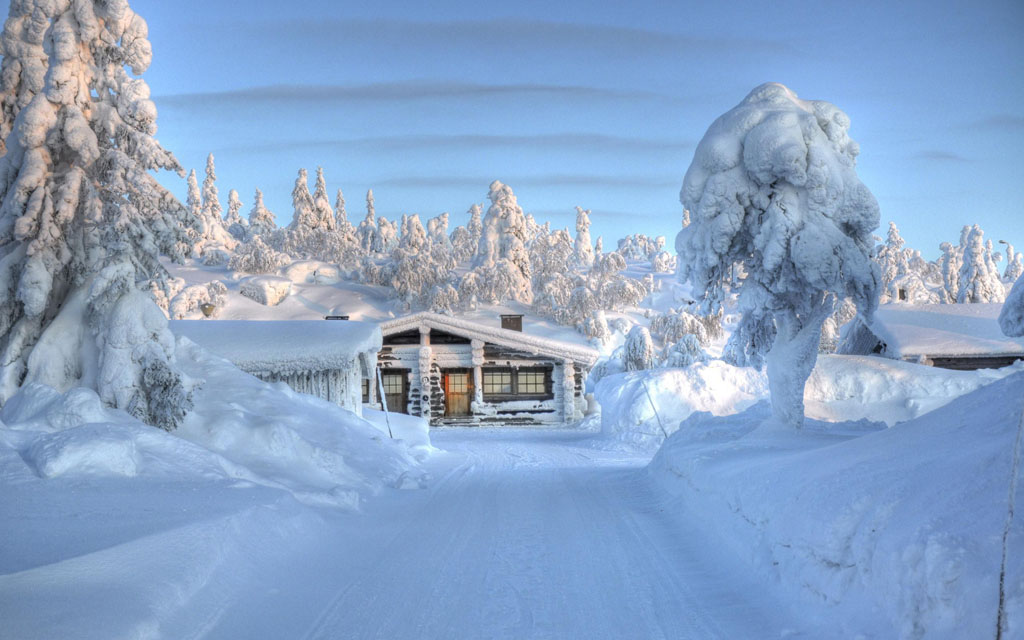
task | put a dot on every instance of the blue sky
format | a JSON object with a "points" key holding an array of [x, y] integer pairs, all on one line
{"points": [[585, 103]]}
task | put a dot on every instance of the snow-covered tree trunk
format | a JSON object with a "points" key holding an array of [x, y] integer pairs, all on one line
{"points": [[791, 359]]}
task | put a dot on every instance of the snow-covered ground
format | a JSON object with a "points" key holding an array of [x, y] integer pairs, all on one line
{"points": [[898, 532], [521, 533]]}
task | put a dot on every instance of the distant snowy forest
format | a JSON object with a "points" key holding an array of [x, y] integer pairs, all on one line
{"points": [[503, 254]]}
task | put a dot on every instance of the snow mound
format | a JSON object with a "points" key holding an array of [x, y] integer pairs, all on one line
{"points": [[97, 449], [643, 406], [266, 290], [312, 272], [840, 388], [907, 522], [319, 451], [890, 391], [413, 430], [241, 429]]}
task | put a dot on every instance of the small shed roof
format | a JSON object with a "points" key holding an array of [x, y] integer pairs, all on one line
{"points": [[494, 335], [285, 346], [943, 330]]}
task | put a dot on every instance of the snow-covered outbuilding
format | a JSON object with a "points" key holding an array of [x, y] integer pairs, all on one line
{"points": [[455, 372], [325, 358], [951, 336]]}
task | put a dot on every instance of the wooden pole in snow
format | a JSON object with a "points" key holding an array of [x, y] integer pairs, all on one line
{"points": [[384, 402]]}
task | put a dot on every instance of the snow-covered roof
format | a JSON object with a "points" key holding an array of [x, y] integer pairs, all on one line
{"points": [[494, 335], [943, 330], [288, 346]]}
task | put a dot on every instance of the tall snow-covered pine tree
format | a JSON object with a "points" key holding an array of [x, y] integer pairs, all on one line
{"points": [[82, 221]]}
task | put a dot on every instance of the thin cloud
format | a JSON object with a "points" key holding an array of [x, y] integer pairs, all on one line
{"points": [[508, 34], [939, 155], [303, 94], [565, 141], [1003, 121], [627, 182]]}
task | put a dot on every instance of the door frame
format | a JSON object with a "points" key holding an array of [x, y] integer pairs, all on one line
{"points": [[404, 376], [470, 390]]}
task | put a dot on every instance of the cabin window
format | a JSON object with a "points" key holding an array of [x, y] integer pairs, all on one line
{"points": [[497, 381], [458, 384], [366, 390], [508, 384], [531, 382], [392, 384]]}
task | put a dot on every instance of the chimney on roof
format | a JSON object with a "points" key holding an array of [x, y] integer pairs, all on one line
{"points": [[512, 321]]}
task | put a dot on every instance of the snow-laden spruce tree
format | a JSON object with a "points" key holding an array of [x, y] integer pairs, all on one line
{"points": [[215, 235], [304, 217], [321, 204], [584, 252], [341, 216], [978, 279], [367, 230], [502, 259], [236, 225], [82, 220], [466, 239], [261, 220], [772, 186], [892, 262]]}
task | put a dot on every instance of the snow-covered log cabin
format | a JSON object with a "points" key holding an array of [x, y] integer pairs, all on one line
{"points": [[950, 336], [455, 372], [325, 358]]}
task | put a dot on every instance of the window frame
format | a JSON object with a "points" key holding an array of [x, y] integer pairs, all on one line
{"points": [[514, 393]]}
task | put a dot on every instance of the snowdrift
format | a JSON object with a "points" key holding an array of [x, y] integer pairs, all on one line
{"points": [[840, 388], [240, 429], [892, 531]]}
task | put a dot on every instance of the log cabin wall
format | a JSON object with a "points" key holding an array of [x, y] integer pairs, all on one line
{"points": [[427, 354]]}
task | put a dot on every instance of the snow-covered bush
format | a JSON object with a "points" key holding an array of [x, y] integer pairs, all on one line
{"points": [[162, 295], [443, 298], [772, 186], [595, 326], [638, 350], [663, 262], [215, 256], [683, 353], [194, 296], [671, 327], [255, 256]]}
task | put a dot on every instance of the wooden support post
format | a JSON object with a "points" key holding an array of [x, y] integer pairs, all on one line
{"points": [[478, 375]]}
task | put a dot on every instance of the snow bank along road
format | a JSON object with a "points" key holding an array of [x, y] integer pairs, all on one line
{"points": [[521, 534]]}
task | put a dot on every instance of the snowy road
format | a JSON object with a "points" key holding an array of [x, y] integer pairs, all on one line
{"points": [[522, 534]]}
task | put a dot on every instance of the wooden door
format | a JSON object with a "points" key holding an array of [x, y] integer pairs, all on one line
{"points": [[458, 392], [396, 392]]}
